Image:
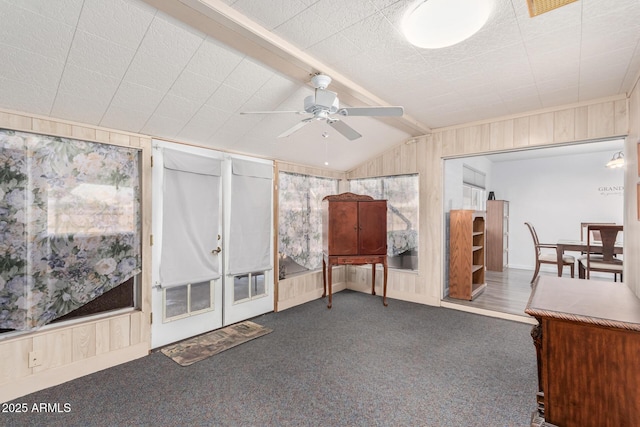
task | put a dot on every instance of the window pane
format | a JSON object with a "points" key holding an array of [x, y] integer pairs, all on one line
{"points": [[240, 287], [401, 193], [200, 296], [257, 284], [473, 198], [466, 197], [300, 221], [176, 301]]}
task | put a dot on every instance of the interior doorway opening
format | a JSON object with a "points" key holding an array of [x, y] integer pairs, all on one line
{"points": [[556, 188]]}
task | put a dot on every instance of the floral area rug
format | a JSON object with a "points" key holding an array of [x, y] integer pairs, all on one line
{"points": [[199, 348]]}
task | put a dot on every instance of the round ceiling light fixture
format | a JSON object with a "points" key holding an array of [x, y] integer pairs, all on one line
{"points": [[433, 24]]}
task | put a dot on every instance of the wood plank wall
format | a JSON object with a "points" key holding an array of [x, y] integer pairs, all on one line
{"points": [[606, 118], [68, 352], [631, 195]]}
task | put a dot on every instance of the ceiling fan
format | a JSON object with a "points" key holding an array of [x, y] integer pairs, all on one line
{"points": [[323, 104]]}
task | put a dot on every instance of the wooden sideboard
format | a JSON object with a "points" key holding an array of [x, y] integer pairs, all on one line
{"points": [[588, 349], [354, 232]]}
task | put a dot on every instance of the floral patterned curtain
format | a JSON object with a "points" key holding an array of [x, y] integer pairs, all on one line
{"points": [[401, 193], [300, 217], [69, 225]]}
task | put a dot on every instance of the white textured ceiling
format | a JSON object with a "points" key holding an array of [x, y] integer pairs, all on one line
{"points": [[150, 67]]}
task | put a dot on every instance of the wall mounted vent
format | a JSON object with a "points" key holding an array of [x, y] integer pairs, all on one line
{"points": [[537, 7]]}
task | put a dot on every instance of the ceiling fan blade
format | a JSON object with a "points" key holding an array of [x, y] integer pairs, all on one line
{"points": [[273, 112], [372, 111], [346, 130], [295, 128]]}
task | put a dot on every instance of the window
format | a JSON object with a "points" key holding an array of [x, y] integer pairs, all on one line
{"points": [[300, 221], [473, 189], [187, 300], [249, 286], [401, 193], [69, 225]]}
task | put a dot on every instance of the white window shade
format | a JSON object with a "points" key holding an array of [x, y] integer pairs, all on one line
{"points": [[251, 217], [190, 224], [473, 177]]}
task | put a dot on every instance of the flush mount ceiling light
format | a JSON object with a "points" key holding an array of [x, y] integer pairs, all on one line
{"points": [[434, 24]]}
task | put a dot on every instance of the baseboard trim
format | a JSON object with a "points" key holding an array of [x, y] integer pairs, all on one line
{"points": [[490, 313], [309, 296]]}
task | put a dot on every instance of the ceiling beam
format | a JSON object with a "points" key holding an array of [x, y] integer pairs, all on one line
{"points": [[222, 22]]}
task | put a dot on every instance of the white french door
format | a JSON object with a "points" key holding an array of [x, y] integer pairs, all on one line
{"points": [[198, 213], [248, 202]]}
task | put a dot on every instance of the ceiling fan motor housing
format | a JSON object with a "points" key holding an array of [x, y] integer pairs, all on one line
{"points": [[324, 101], [320, 81]]}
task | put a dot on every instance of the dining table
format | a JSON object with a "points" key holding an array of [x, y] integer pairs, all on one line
{"points": [[580, 246]]}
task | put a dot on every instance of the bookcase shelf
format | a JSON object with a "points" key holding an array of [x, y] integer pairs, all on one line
{"points": [[466, 254]]}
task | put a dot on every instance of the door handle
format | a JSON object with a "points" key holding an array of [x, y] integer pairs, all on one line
{"points": [[217, 250]]}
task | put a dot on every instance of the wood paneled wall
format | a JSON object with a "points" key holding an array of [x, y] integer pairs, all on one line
{"points": [[606, 118], [93, 344], [603, 119], [416, 155], [631, 193]]}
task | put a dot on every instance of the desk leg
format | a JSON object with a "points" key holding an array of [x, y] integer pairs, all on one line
{"points": [[373, 278], [384, 286], [329, 283], [324, 278]]}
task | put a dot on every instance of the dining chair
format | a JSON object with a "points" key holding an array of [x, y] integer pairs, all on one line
{"points": [[596, 233], [603, 262], [549, 257]]}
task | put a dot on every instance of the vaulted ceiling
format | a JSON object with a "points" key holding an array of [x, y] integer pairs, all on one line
{"points": [[183, 70]]}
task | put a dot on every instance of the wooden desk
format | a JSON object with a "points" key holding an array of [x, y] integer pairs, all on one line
{"points": [[588, 348], [578, 246], [330, 261]]}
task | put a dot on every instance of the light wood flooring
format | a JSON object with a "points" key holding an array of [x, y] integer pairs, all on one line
{"points": [[506, 292]]}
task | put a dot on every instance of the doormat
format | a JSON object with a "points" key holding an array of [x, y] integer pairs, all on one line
{"points": [[199, 348]]}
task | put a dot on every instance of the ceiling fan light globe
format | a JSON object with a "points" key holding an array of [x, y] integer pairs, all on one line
{"points": [[334, 108], [309, 104]]}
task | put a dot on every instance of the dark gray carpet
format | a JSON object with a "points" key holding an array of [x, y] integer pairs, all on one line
{"points": [[358, 364]]}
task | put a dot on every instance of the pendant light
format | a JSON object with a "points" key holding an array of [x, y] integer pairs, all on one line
{"points": [[617, 161]]}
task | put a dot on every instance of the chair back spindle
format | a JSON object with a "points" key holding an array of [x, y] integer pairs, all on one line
{"points": [[605, 260]]}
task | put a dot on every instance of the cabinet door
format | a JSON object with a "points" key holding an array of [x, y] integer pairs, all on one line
{"points": [[373, 227], [343, 228]]}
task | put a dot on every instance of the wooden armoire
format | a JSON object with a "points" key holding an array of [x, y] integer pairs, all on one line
{"points": [[354, 232]]}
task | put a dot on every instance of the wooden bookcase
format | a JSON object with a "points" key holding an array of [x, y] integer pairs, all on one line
{"points": [[466, 254], [497, 235]]}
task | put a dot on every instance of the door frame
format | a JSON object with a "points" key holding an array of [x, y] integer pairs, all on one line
{"points": [[225, 310], [163, 331]]}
